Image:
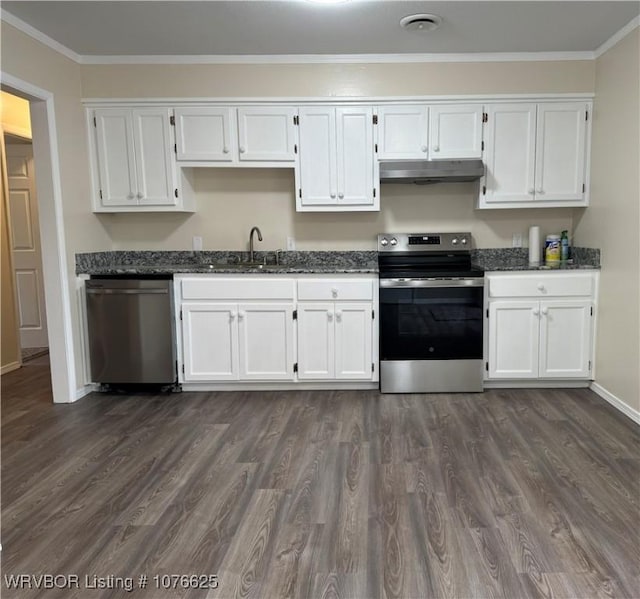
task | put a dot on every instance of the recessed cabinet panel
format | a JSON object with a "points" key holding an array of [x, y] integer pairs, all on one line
{"points": [[210, 342], [205, 134], [402, 132], [353, 340], [510, 153], [316, 341], [513, 339], [266, 341], [318, 177], [154, 163], [455, 131], [266, 133], [560, 154], [116, 160], [355, 155], [565, 334]]}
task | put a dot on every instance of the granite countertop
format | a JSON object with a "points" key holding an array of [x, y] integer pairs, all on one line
{"points": [[124, 262], [225, 262], [517, 259]]}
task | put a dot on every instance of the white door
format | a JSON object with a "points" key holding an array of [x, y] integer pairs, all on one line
{"points": [[206, 133], [116, 157], [210, 342], [455, 131], [513, 339], [353, 328], [316, 341], [318, 181], [25, 236], [402, 132], [155, 171], [355, 155], [560, 152], [509, 153], [266, 341], [565, 338], [267, 133]]}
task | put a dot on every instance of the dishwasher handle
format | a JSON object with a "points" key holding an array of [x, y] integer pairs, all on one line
{"points": [[103, 291]]}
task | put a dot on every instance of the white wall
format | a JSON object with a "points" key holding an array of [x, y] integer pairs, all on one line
{"points": [[228, 206], [612, 222]]}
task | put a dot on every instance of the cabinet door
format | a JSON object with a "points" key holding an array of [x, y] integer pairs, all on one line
{"points": [[353, 328], [206, 133], [116, 157], [154, 156], [513, 339], [455, 131], [318, 181], [355, 155], [402, 132], [316, 341], [266, 341], [210, 342], [266, 133], [560, 151], [565, 338], [509, 153]]}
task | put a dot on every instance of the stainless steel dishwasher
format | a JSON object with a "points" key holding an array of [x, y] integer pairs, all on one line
{"points": [[131, 330]]}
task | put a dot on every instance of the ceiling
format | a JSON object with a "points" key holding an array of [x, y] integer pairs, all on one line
{"points": [[302, 27]]}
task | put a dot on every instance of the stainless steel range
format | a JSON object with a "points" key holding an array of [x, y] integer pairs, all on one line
{"points": [[431, 304]]}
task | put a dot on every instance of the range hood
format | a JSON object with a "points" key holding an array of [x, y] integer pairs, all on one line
{"points": [[423, 172]]}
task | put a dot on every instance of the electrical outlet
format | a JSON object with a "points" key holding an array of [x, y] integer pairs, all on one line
{"points": [[291, 243], [197, 243], [516, 240]]}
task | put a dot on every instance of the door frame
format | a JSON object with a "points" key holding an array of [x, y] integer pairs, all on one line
{"points": [[54, 256]]}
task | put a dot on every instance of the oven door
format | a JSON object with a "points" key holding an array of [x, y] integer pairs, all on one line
{"points": [[431, 319]]}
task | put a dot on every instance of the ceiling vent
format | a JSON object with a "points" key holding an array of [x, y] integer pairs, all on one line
{"points": [[421, 22]]}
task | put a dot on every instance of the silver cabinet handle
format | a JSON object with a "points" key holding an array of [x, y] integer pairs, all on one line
{"points": [[545, 311], [130, 195], [241, 149], [531, 191], [241, 315], [329, 316], [225, 150], [436, 148], [140, 195], [334, 292], [424, 148], [536, 312], [232, 315], [332, 194], [338, 315], [540, 191], [341, 195]]}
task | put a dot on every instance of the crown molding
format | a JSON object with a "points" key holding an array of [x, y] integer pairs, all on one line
{"points": [[37, 35], [339, 58], [616, 37]]}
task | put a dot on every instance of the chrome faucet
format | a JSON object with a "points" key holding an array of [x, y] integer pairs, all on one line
{"points": [[254, 230]]}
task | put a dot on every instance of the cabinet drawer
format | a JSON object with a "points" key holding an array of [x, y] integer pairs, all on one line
{"points": [[335, 289], [543, 285], [237, 289]]}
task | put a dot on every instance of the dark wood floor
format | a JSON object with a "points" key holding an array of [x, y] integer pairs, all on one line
{"points": [[508, 494]]}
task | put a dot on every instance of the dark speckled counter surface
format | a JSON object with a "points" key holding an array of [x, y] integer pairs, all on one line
{"points": [[517, 259], [124, 262], [180, 262]]}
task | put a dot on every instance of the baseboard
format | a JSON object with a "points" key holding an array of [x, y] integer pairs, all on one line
{"points": [[283, 386], [616, 402], [82, 391], [536, 384], [10, 367]]}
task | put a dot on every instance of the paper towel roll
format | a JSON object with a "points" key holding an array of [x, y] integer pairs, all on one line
{"points": [[535, 249]]}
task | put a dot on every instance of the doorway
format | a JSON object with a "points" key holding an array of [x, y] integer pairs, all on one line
{"points": [[24, 235], [55, 271]]}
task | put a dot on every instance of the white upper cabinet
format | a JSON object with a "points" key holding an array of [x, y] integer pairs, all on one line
{"points": [[535, 155], [206, 133], [402, 132], [135, 163], [337, 170], [560, 152], [267, 133], [455, 131], [510, 144]]}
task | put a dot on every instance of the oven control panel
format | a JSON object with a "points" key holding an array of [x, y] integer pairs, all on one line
{"points": [[421, 242]]}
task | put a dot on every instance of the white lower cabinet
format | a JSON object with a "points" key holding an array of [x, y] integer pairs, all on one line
{"points": [[264, 329], [335, 340], [534, 338], [250, 338]]}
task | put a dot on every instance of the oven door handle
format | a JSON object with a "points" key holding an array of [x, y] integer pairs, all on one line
{"points": [[470, 282]]}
